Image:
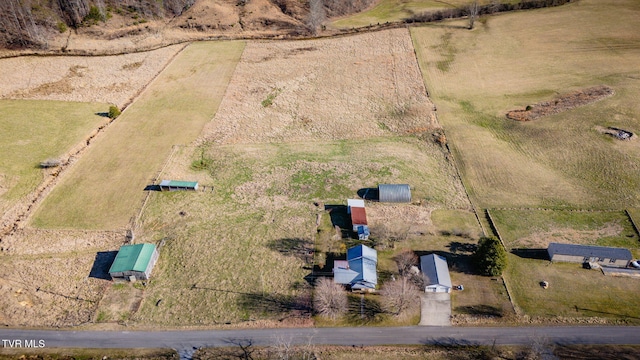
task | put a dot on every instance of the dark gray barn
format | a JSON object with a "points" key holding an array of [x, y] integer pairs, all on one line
{"points": [[606, 256]]}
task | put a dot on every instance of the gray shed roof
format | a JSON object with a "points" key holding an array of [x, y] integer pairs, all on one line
{"points": [[435, 269], [589, 251], [396, 193]]}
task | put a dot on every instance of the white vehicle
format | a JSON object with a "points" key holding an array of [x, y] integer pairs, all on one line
{"points": [[636, 264]]}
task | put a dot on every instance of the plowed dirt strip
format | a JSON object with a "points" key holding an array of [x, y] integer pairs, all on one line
{"points": [[105, 188]]}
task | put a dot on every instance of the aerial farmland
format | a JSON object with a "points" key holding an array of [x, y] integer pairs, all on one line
{"points": [[275, 132]]}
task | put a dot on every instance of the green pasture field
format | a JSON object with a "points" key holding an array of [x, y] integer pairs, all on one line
{"points": [[574, 291], [245, 245], [34, 131], [105, 188], [396, 10], [535, 228], [516, 59]]}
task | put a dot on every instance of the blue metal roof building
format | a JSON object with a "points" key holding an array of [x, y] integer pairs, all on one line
{"points": [[362, 269]]}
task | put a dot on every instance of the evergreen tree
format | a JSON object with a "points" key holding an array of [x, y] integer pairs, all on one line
{"points": [[490, 258]]}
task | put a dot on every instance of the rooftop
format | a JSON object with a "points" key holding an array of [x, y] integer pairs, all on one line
{"points": [[132, 258], [589, 251]]}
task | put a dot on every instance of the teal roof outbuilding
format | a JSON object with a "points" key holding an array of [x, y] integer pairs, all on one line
{"points": [[181, 184], [133, 258]]}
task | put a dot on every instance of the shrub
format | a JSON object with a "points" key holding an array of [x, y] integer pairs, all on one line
{"points": [[62, 27], [114, 112], [490, 258], [94, 16]]}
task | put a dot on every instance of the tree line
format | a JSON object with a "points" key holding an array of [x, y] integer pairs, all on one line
{"points": [[25, 23], [474, 9]]}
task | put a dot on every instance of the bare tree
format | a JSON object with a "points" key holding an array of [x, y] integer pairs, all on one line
{"points": [[74, 11], [399, 296], [316, 16], [473, 13], [406, 260], [17, 24], [330, 299], [283, 349]]}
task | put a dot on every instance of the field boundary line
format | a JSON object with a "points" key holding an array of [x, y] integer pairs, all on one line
{"points": [[494, 228], [166, 65], [135, 221], [464, 186], [633, 223]]}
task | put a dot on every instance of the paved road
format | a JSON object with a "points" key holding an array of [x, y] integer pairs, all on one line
{"points": [[182, 340]]}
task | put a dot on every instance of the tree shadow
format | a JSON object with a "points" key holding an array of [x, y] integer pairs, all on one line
{"points": [[276, 304], [101, 265], [457, 262], [540, 254], [327, 269], [340, 218], [369, 194], [461, 349], [457, 247], [364, 309], [103, 114], [297, 247], [481, 309]]}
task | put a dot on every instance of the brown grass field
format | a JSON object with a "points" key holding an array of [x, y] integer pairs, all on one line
{"points": [[301, 122], [126, 158], [266, 181], [295, 91], [249, 239], [105, 79], [476, 76]]}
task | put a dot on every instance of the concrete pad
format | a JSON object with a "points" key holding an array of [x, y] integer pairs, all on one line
{"points": [[435, 309]]}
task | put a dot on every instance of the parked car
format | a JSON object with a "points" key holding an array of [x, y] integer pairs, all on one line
{"points": [[636, 264]]}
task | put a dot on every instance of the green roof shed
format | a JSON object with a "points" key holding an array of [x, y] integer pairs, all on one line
{"points": [[134, 262]]}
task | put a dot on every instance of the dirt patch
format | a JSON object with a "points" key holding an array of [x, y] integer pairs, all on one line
{"points": [[324, 90], [402, 219], [542, 239], [106, 79], [119, 303], [561, 103]]}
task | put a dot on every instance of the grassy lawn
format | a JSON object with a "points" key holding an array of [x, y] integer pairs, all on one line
{"points": [[536, 228], [34, 131], [573, 291], [246, 245], [126, 158], [516, 59]]}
